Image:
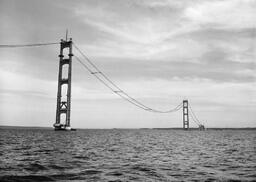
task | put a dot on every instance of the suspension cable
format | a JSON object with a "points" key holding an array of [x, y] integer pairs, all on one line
{"points": [[102, 81], [119, 92], [26, 45], [111, 82], [194, 118], [116, 89], [193, 114], [111, 85]]}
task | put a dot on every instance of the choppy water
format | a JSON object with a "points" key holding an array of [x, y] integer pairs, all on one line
{"points": [[127, 155]]}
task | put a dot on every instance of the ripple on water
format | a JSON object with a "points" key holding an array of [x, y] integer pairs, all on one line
{"points": [[91, 172], [35, 167], [114, 173], [82, 157], [127, 155], [58, 167], [28, 178]]}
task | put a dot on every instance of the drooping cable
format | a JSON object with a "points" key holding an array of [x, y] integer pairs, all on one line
{"points": [[107, 79], [26, 45], [193, 113], [119, 93], [194, 118], [116, 89], [104, 83]]}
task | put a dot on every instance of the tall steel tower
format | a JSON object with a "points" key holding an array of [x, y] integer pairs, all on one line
{"points": [[185, 115], [64, 99]]}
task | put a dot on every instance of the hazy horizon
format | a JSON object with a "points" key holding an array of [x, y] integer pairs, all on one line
{"points": [[169, 128]]}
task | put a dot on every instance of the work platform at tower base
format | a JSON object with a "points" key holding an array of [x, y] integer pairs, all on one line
{"points": [[62, 127]]}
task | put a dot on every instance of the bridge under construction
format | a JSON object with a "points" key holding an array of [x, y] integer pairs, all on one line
{"points": [[63, 106]]}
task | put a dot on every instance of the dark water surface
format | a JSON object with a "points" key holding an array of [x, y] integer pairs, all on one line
{"points": [[127, 155]]}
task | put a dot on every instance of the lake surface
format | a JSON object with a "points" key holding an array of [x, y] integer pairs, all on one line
{"points": [[127, 155]]}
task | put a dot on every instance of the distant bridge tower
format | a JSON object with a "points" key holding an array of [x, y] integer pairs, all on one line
{"points": [[185, 115], [64, 99]]}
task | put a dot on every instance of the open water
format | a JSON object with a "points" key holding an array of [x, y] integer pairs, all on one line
{"points": [[127, 155]]}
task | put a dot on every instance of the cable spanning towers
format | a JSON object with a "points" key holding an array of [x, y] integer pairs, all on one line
{"points": [[64, 93]]}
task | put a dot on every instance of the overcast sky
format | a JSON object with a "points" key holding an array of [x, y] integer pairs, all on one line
{"points": [[160, 52]]}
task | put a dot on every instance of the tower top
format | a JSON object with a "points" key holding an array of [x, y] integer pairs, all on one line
{"points": [[66, 37], [66, 34]]}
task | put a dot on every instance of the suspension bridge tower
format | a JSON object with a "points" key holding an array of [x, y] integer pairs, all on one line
{"points": [[64, 92], [185, 115]]}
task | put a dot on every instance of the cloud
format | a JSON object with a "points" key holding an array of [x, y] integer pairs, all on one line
{"points": [[22, 84], [225, 14], [158, 51]]}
